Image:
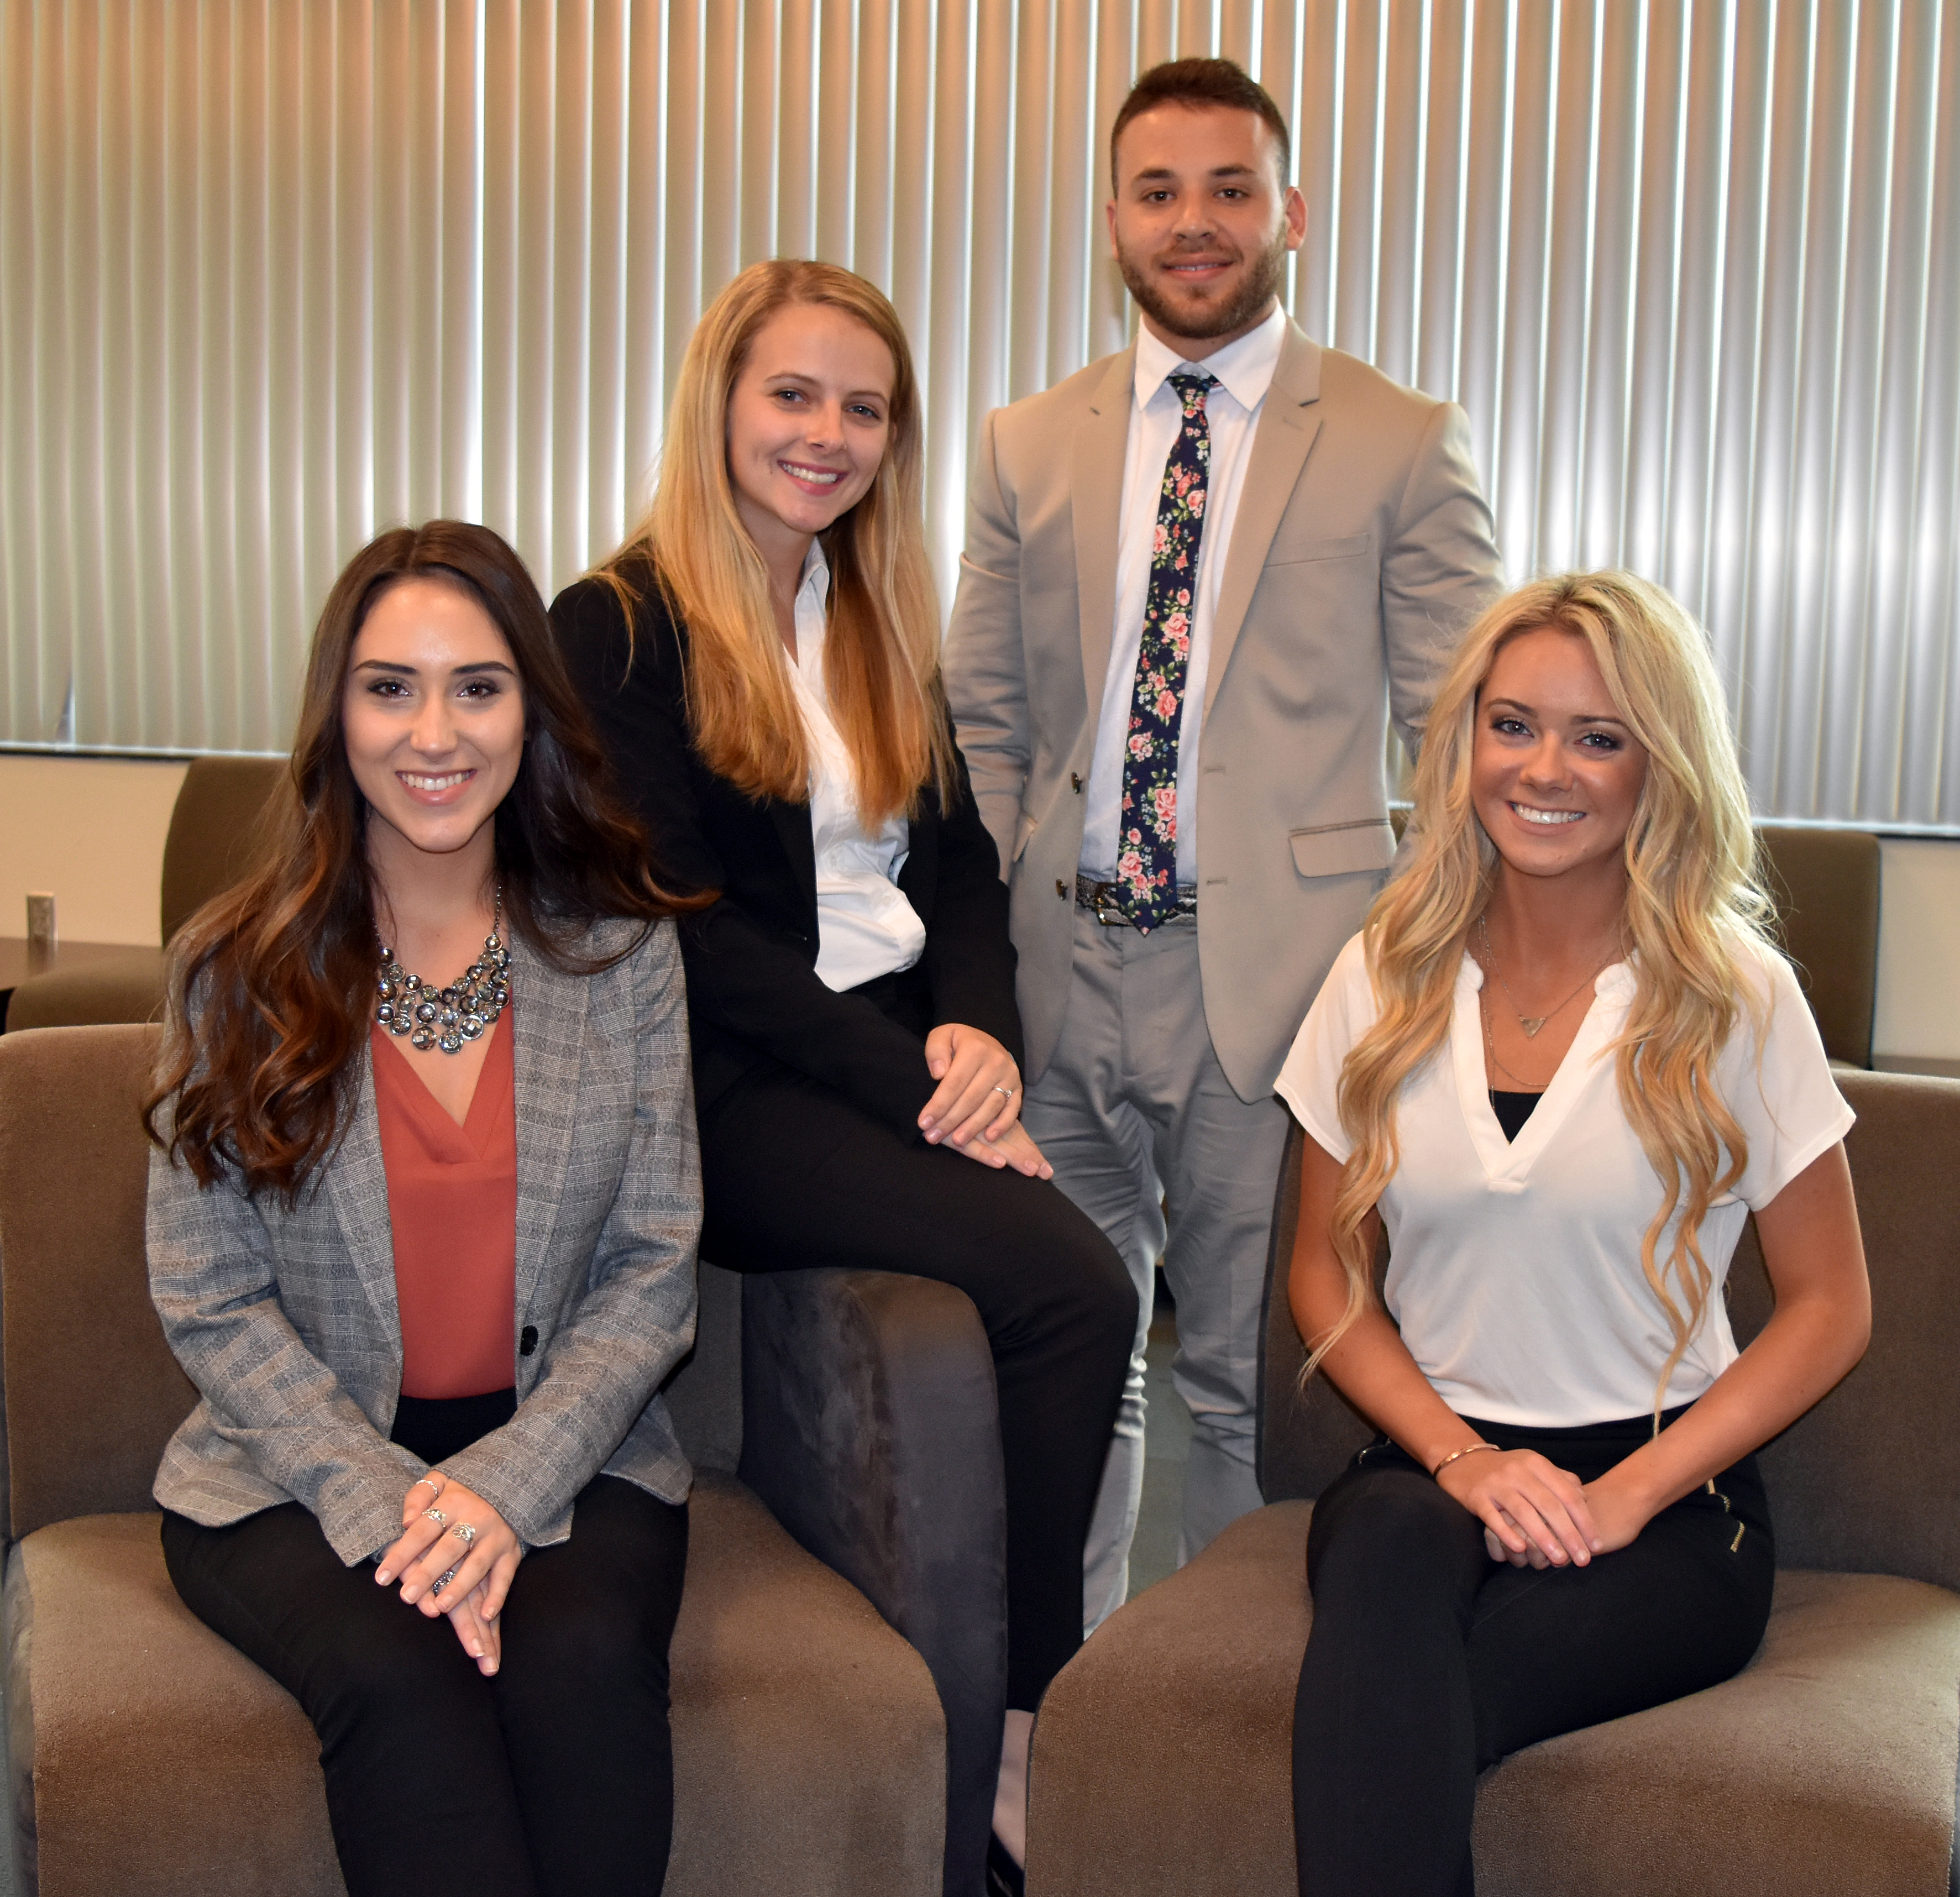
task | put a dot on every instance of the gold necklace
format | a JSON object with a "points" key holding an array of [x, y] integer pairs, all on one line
{"points": [[1490, 1048], [1530, 1023]]}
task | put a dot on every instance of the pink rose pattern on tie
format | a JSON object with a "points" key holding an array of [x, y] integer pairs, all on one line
{"points": [[1147, 848]]}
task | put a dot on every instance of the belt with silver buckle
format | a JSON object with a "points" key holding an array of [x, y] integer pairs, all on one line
{"points": [[1108, 903]]}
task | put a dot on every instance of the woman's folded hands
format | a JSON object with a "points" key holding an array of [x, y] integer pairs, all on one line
{"points": [[1534, 1513], [976, 1108], [455, 1555]]}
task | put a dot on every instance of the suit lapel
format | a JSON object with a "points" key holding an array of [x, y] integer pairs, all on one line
{"points": [[357, 1189], [1096, 498], [1288, 423], [547, 1023]]}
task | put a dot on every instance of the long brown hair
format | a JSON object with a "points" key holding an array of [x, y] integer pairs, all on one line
{"points": [[269, 986], [1696, 917], [881, 652]]}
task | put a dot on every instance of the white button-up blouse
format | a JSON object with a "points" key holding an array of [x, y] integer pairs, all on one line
{"points": [[865, 927], [1244, 370]]}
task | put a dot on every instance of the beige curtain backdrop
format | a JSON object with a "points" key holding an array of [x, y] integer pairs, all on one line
{"points": [[276, 273]]}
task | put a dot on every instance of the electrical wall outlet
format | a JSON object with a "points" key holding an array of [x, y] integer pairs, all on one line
{"points": [[40, 919]]}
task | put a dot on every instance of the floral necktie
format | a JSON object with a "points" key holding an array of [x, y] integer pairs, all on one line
{"points": [[1147, 849]]}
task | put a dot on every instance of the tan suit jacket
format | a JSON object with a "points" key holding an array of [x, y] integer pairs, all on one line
{"points": [[1361, 549]]}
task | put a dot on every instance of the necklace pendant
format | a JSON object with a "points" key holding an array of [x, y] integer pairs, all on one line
{"points": [[1532, 1027]]}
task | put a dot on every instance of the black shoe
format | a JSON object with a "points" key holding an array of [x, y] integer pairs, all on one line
{"points": [[1004, 1877]]}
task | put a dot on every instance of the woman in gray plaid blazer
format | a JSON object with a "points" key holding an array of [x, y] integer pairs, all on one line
{"points": [[493, 1714]]}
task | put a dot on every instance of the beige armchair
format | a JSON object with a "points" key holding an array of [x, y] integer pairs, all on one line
{"points": [[148, 1754], [1162, 1760], [1825, 883], [215, 838]]}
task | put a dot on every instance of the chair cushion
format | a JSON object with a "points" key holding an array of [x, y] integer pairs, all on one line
{"points": [[1162, 1758], [1827, 1765], [1161, 1761], [161, 1758], [809, 1749]]}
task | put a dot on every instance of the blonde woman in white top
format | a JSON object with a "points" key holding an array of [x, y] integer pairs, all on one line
{"points": [[1561, 1065]]}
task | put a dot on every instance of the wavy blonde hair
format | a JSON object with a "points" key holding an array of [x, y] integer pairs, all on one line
{"points": [[1696, 917], [881, 651]]}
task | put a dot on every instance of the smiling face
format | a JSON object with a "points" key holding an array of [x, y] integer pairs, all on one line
{"points": [[1554, 772], [433, 716], [1202, 224], [809, 421]]}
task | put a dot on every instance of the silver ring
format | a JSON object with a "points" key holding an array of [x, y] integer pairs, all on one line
{"points": [[433, 1482], [443, 1579], [1008, 1090], [462, 1532], [437, 1516]]}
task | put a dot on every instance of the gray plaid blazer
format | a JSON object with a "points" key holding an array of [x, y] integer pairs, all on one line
{"points": [[287, 1322]]}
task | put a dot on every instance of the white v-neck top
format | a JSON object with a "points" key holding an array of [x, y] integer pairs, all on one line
{"points": [[1515, 1269], [865, 927]]}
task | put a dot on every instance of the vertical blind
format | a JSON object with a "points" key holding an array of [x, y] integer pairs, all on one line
{"points": [[274, 274]]}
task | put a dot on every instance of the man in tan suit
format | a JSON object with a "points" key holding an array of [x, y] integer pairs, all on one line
{"points": [[1199, 574]]}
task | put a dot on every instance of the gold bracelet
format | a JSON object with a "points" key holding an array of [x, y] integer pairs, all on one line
{"points": [[1468, 1448]]}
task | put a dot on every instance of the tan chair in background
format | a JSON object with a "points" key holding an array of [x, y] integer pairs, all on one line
{"points": [[810, 1751], [1825, 885], [215, 838], [1162, 1758]]}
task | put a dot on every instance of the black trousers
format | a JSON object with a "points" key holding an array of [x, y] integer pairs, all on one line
{"points": [[792, 1173], [1428, 1661], [552, 1778]]}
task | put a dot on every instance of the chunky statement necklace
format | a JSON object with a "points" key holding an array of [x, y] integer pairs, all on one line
{"points": [[445, 1018]]}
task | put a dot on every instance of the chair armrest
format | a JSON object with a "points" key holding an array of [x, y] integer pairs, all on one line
{"points": [[870, 1429], [1162, 1762], [704, 1393]]}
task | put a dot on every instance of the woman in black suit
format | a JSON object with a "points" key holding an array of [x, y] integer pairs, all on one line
{"points": [[762, 660]]}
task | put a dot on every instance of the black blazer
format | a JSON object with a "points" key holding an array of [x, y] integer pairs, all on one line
{"points": [[753, 991]]}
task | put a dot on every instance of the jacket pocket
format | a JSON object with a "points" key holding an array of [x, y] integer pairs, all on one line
{"points": [[1297, 552], [1024, 828], [1365, 845]]}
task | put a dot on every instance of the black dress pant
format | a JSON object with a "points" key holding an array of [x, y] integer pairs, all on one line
{"points": [[1428, 1661], [554, 1777], [793, 1174]]}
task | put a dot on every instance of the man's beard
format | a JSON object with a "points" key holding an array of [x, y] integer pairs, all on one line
{"points": [[1261, 285]]}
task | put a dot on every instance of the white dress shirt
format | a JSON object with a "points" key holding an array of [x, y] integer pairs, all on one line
{"points": [[1244, 370], [1515, 1267], [865, 927]]}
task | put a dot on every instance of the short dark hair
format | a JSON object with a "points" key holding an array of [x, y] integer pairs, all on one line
{"points": [[1202, 82]]}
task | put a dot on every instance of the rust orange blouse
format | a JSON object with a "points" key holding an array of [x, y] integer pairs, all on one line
{"points": [[453, 1205]]}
